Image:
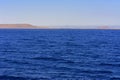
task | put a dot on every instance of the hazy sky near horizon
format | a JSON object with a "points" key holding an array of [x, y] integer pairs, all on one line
{"points": [[60, 12]]}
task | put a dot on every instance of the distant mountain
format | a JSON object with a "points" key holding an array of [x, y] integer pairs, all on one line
{"points": [[104, 27], [16, 26], [29, 26]]}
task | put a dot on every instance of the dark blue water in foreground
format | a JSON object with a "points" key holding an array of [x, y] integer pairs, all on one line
{"points": [[59, 54]]}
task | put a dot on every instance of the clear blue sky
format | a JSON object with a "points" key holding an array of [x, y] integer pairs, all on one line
{"points": [[60, 12]]}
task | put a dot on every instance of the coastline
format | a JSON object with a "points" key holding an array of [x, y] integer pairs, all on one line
{"points": [[29, 26]]}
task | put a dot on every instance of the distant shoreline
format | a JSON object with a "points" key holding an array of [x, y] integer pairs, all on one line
{"points": [[19, 26], [51, 29], [29, 26]]}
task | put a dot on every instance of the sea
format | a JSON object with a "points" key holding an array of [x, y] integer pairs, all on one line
{"points": [[59, 54]]}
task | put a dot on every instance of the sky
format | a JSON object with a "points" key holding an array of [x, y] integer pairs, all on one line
{"points": [[59, 13]]}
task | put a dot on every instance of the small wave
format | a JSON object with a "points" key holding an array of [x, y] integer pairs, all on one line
{"points": [[95, 72], [52, 59], [110, 64], [16, 62], [13, 78], [115, 78]]}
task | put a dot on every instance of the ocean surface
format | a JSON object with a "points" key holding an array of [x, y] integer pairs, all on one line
{"points": [[36, 54]]}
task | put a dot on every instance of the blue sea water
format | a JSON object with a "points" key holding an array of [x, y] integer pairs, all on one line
{"points": [[36, 54]]}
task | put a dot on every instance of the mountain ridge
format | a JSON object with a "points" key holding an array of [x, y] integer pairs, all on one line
{"points": [[16, 26]]}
